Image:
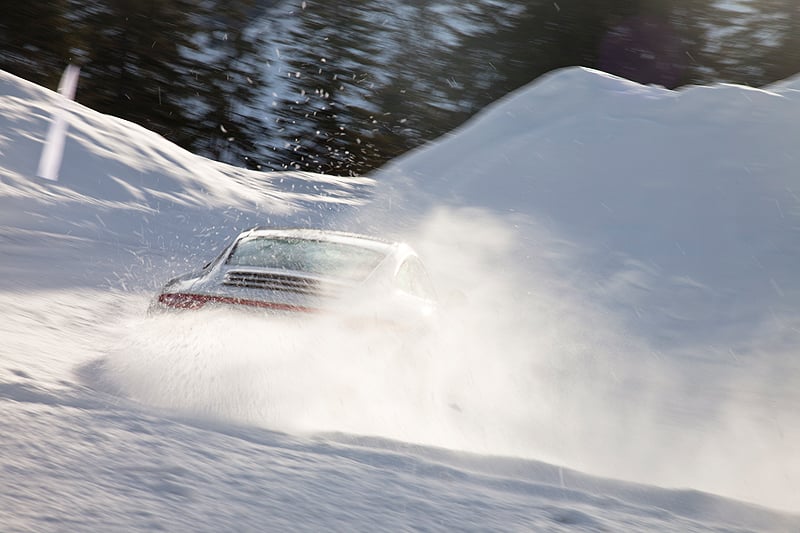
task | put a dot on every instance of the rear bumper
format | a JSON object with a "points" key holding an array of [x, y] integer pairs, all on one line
{"points": [[187, 301]]}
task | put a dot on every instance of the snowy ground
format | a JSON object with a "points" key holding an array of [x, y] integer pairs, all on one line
{"points": [[618, 351]]}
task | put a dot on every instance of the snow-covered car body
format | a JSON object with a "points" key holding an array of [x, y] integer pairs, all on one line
{"points": [[307, 270]]}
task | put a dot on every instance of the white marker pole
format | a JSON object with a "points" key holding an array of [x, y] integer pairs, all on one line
{"points": [[50, 163]]}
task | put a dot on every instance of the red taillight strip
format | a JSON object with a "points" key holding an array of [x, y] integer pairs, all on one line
{"points": [[180, 300]]}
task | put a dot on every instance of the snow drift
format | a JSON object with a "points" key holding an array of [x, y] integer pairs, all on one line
{"points": [[653, 235]]}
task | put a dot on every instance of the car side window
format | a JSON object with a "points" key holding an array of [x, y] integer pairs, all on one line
{"points": [[412, 278]]}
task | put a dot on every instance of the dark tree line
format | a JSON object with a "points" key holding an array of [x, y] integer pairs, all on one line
{"points": [[342, 87], [181, 68]]}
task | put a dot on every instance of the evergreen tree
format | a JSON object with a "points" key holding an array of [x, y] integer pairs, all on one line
{"points": [[780, 20], [326, 79], [135, 63], [35, 40], [227, 68], [692, 21], [756, 43]]}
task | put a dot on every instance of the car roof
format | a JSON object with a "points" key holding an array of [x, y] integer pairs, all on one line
{"points": [[356, 239]]}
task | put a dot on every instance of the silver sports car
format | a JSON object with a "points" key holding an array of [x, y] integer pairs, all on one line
{"points": [[308, 270]]}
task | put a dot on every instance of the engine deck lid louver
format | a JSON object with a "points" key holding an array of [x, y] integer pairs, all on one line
{"points": [[279, 282]]}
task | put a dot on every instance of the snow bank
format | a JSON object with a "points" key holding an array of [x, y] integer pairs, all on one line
{"points": [[639, 247], [683, 206]]}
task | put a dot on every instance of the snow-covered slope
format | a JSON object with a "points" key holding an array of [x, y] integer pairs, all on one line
{"points": [[683, 206], [655, 236], [616, 269]]}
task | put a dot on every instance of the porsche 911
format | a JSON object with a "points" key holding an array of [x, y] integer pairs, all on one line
{"points": [[296, 271]]}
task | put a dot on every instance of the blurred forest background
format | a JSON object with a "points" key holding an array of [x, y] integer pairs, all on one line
{"points": [[342, 87]]}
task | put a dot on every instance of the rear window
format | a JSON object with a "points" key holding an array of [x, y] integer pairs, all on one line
{"points": [[304, 255]]}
